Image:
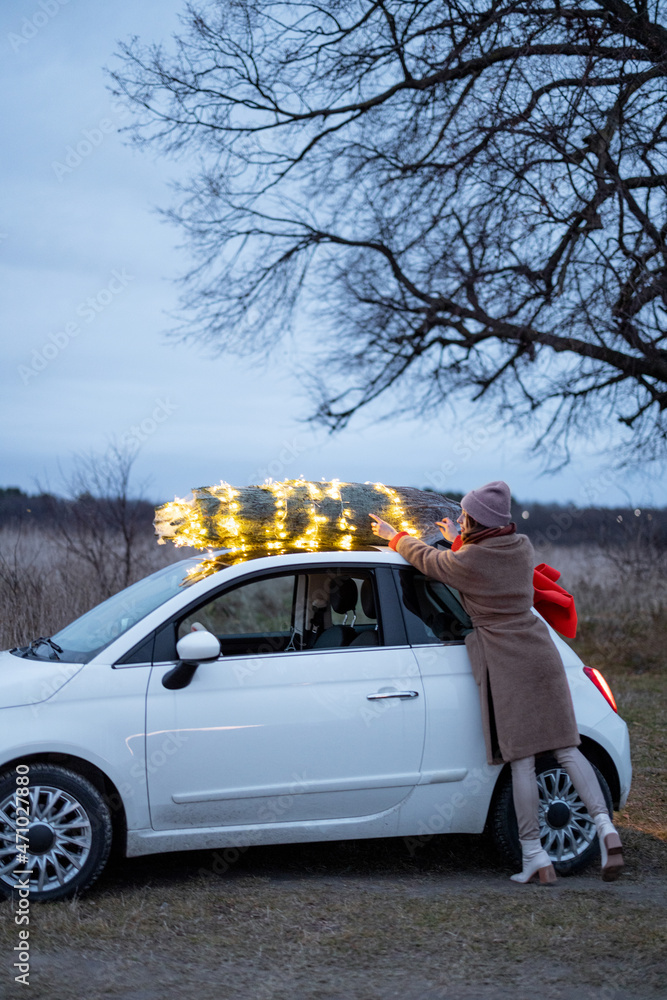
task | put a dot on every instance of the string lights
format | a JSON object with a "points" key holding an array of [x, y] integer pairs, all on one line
{"points": [[291, 515]]}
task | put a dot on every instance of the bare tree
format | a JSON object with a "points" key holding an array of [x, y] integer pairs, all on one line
{"points": [[103, 525], [464, 196]]}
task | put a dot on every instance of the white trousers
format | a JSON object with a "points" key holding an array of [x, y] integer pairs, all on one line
{"points": [[526, 795]]}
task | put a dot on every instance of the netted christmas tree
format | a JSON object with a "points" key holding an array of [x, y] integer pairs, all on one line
{"points": [[297, 516]]}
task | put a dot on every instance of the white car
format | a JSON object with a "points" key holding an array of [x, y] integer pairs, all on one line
{"points": [[308, 697]]}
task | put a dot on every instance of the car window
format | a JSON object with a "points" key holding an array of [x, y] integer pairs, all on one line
{"points": [[340, 607], [432, 610], [88, 635], [262, 609], [291, 613]]}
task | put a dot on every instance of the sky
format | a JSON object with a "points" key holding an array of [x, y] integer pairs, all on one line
{"points": [[89, 275]]}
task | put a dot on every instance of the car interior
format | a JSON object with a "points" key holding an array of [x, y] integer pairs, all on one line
{"points": [[292, 612], [432, 611], [298, 611]]}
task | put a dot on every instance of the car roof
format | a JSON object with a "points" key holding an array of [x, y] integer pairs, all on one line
{"points": [[371, 556]]}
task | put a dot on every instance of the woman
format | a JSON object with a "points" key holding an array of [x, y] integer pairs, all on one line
{"points": [[525, 699]]}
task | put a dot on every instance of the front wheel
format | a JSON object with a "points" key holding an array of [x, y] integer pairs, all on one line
{"points": [[567, 832], [58, 828]]}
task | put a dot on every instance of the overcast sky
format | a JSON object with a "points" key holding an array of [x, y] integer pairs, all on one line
{"points": [[88, 284]]}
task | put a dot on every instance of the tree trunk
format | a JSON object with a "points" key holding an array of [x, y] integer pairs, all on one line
{"points": [[296, 515]]}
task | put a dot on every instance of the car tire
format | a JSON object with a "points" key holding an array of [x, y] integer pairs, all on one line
{"points": [[567, 832], [69, 830]]}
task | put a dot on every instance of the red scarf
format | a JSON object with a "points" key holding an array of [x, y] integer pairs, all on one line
{"points": [[477, 536]]}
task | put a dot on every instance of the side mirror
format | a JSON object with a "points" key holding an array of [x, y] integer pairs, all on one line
{"points": [[193, 649], [198, 646]]}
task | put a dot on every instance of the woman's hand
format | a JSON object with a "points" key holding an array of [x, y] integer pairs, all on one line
{"points": [[448, 529], [382, 528]]}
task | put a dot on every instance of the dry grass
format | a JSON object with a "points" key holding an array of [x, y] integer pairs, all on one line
{"points": [[366, 920], [622, 609], [44, 586], [269, 935], [643, 704]]}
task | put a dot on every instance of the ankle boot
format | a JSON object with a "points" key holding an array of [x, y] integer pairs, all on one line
{"points": [[611, 850], [536, 864]]}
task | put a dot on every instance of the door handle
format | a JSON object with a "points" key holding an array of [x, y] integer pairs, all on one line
{"points": [[392, 694]]}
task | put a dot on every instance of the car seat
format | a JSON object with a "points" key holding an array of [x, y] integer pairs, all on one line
{"points": [[369, 637], [343, 599]]}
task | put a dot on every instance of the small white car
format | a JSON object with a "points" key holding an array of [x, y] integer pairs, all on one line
{"points": [[308, 697]]}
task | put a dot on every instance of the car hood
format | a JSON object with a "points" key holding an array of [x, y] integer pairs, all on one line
{"points": [[28, 681]]}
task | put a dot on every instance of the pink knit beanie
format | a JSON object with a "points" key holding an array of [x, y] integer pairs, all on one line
{"points": [[490, 504]]}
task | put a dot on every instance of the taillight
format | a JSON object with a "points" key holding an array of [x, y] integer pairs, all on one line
{"points": [[601, 684]]}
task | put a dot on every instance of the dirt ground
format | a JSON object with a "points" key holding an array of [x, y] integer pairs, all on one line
{"points": [[359, 920]]}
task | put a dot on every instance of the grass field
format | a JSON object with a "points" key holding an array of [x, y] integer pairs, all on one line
{"points": [[368, 920]]}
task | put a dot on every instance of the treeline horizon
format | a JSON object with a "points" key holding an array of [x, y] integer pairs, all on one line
{"points": [[544, 523]]}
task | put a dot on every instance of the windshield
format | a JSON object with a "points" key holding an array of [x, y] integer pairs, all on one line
{"points": [[88, 635]]}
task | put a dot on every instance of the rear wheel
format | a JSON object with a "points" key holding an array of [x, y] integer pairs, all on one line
{"points": [[58, 827], [567, 832]]}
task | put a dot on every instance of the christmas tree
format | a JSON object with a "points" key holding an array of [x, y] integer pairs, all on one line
{"points": [[296, 515]]}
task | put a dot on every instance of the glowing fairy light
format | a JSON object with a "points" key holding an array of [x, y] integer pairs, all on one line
{"points": [[293, 515], [397, 515]]}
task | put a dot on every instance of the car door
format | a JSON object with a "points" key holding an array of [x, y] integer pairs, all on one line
{"points": [[309, 714], [454, 749]]}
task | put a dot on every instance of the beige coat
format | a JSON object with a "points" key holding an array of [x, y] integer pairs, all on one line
{"points": [[525, 698]]}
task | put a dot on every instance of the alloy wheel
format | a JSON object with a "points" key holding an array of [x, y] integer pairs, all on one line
{"points": [[566, 829], [59, 837]]}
